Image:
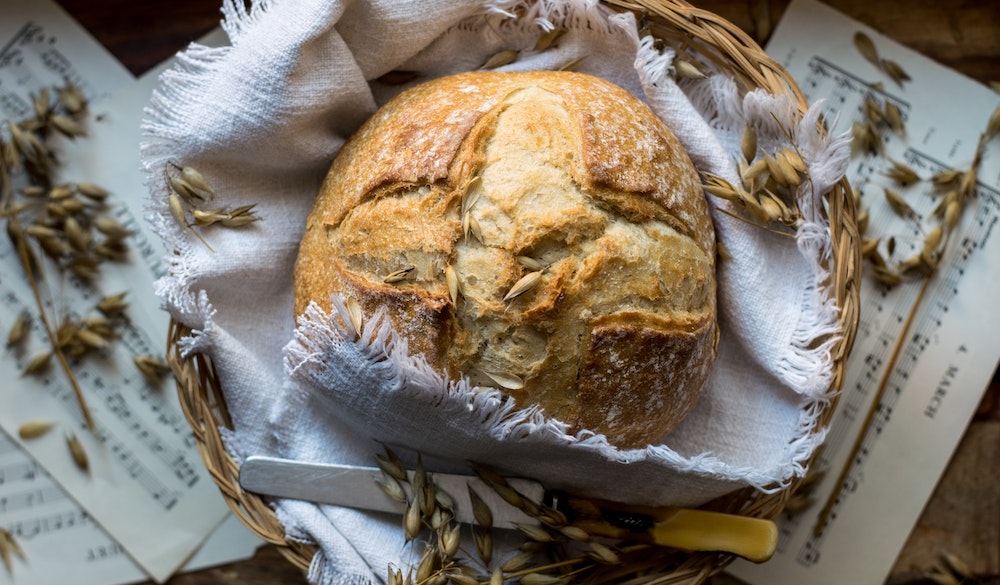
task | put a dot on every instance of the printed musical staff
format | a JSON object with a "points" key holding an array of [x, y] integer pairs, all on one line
{"points": [[904, 441], [146, 504]]}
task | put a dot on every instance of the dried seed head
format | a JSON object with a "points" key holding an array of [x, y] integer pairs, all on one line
{"points": [[894, 117], [470, 196], [92, 191], [480, 511], [722, 251], [41, 232], [195, 180], [19, 330], [204, 217], [721, 188], [952, 213], [967, 185], [946, 179], [865, 139], [688, 70], [181, 188], [575, 533], [536, 533], [91, 339], [933, 239], [748, 142], [500, 59], [151, 367], [33, 191], [67, 126], [899, 205], [603, 554], [77, 236], [177, 210], [484, 546], [869, 247], [42, 102], [506, 380], [902, 174], [454, 287], [356, 320], [391, 486], [71, 98], [77, 452], [472, 226], [771, 207], [444, 501], [523, 285], [38, 364], [411, 521], [113, 305], [793, 158], [895, 71], [111, 228], [8, 545], [399, 275], [517, 562], [887, 276], [392, 465], [548, 39], [790, 161], [873, 111], [34, 429], [450, 541], [866, 47], [863, 217]]}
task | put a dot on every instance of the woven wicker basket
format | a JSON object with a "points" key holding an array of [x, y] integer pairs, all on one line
{"points": [[707, 37]]}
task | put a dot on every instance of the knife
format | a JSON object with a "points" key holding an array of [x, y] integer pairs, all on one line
{"points": [[354, 486]]}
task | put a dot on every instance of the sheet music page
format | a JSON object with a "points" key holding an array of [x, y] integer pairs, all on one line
{"points": [[147, 486], [952, 348], [62, 543]]}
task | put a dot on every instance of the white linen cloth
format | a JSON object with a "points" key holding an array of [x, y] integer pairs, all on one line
{"points": [[263, 118]]}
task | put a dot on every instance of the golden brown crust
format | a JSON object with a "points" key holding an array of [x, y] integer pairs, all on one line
{"points": [[617, 332]]}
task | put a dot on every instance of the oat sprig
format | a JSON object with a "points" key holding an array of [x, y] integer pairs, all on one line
{"points": [[9, 547], [188, 191], [958, 187], [553, 552], [43, 208]]}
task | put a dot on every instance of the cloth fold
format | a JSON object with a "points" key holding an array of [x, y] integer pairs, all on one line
{"points": [[263, 118]]}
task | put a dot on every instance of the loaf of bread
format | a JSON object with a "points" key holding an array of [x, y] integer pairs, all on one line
{"points": [[571, 225]]}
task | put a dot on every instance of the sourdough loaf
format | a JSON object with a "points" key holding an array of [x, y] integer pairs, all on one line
{"points": [[557, 184]]}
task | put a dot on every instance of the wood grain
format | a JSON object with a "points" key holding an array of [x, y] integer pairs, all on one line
{"points": [[963, 516]]}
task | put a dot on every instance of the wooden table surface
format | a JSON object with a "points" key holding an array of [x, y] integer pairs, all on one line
{"points": [[963, 515]]}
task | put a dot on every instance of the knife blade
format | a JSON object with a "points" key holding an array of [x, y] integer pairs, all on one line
{"points": [[353, 486]]}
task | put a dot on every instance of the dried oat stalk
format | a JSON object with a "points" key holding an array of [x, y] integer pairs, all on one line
{"points": [[552, 552], [769, 183], [66, 227], [188, 193]]}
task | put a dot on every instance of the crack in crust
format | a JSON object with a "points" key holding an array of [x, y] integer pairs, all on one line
{"points": [[618, 335]]}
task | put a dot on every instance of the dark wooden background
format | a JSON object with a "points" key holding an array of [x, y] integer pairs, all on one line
{"points": [[963, 516]]}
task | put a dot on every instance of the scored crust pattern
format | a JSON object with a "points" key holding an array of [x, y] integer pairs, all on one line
{"points": [[618, 333]]}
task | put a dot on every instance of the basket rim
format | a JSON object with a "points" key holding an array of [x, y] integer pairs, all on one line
{"points": [[729, 49]]}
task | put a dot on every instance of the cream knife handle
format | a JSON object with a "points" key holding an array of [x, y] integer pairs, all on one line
{"points": [[754, 539]]}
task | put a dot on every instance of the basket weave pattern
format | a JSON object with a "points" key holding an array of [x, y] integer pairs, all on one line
{"points": [[690, 31]]}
